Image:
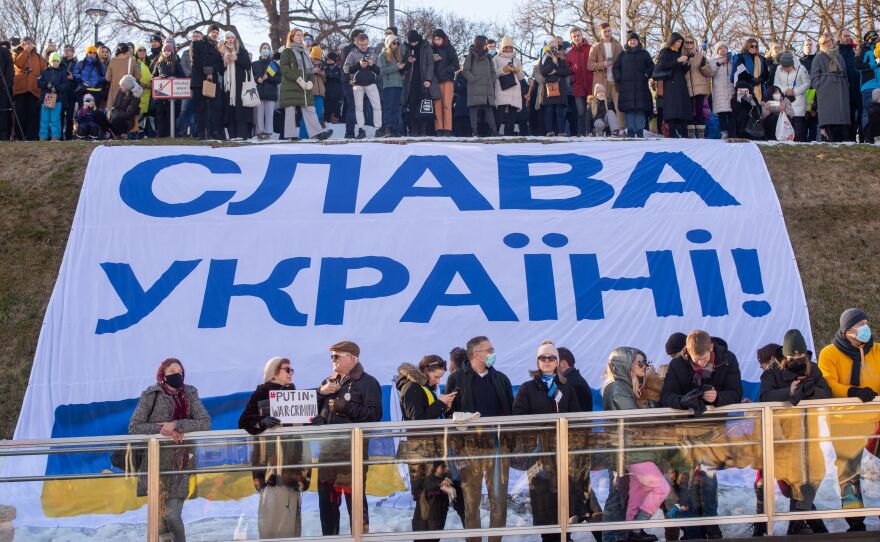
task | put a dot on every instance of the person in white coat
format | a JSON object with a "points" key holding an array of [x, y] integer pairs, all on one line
{"points": [[722, 87], [508, 101], [794, 81]]}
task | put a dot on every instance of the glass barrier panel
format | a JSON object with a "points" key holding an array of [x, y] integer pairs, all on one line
{"points": [[272, 485], [656, 467], [825, 458], [462, 476], [74, 492]]}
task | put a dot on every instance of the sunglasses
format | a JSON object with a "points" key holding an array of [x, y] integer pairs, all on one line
{"points": [[436, 365], [286, 369], [688, 43], [644, 364], [336, 356], [546, 359]]}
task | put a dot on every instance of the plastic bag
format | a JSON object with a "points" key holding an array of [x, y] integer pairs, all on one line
{"points": [[784, 129]]}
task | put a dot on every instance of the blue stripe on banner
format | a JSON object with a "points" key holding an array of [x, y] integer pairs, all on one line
{"points": [[111, 418]]}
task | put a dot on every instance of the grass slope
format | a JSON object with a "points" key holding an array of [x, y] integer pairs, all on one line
{"points": [[830, 197]]}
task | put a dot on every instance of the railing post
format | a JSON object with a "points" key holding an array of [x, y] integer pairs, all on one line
{"points": [[769, 475], [621, 444], [153, 490], [357, 483], [562, 470]]}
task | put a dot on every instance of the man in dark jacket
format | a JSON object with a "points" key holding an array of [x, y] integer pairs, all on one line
{"points": [[848, 52], [482, 388], [207, 65], [705, 373], [349, 396], [68, 99], [7, 71], [575, 381], [419, 82]]}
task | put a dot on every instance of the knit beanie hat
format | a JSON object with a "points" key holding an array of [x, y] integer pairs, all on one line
{"points": [[272, 367], [786, 60], [547, 348], [506, 41], [633, 36], [169, 42], [389, 39], [54, 57], [316, 53], [675, 343], [91, 49], [851, 317], [793, 344], [413, 35]]}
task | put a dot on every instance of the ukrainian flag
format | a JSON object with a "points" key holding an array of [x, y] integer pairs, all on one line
{"points": [[272, 69]]}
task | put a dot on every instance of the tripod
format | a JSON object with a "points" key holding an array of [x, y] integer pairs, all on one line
{"points": [[11, 108]]}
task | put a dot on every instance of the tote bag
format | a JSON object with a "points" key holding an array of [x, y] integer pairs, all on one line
{"points": [[249, 95]]}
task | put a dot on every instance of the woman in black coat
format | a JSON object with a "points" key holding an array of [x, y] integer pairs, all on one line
{"points": [[677, 107], [165, 66], [237, 118], [545, 393], [631, 71]]}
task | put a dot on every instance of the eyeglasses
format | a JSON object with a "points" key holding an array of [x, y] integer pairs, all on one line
{"points": [[489, 350], [546, 359], [286, 369]]}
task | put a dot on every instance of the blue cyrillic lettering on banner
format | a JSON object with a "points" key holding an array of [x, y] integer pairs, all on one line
{"points": [[540, 287], [453, 185], [748, 270], [140, 303], [136, 187], [515, 182], [342, 182], [645, 181], [333, 289], [221, 288], [589, 285], [482, 291]]}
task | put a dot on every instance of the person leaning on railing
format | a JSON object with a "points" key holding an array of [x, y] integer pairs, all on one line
{"points": [[546, 393], [851, 365], [170, 408], [280, 485], [800, 463]]}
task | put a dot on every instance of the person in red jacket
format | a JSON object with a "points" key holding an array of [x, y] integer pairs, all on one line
{"points": [[581, 76]]}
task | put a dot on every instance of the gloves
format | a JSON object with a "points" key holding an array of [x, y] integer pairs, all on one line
{"points": [[505, 69], [309, 85], [306, 85], [208, 70], [337, 406], [797, 396], [318, 420], [269, 421], [693, 400], [808, 387], [865, 394]]}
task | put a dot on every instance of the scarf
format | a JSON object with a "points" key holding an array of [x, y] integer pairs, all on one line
{"points": [[550, 383], [229, 79], [855, 354], [834, 60], [756, 73]]}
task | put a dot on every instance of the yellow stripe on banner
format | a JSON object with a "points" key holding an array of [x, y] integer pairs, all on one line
{"points": [[68, 498]]}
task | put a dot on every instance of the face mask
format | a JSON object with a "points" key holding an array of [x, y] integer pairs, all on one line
{"points": [[174, 380], [777, 97], [798, 366], [490, 360], [863, 334], [266, 52], [492, 52]]}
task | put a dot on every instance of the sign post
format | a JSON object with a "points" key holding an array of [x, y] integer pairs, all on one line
{"points": [[171, 88]]}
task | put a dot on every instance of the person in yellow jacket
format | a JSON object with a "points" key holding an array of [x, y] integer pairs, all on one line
{"points": [[851, 365], [145, 79]]}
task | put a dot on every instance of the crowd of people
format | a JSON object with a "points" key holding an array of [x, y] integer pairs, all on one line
{"points": [[449, 470], [417, 85]]}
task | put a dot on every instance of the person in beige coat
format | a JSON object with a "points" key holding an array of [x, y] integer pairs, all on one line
{"points": [[508, 101], [120, 65], [697, 78], [602, 56], [722, 87]]}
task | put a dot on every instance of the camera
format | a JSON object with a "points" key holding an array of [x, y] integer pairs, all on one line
{"points": [[707, 387], [691, 54]]}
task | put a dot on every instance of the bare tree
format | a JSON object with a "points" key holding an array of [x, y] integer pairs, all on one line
{"points": [[176, 17], [330, 21], [461, 31], [58, 21]]}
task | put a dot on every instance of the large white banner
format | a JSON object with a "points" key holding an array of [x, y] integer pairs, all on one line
{"points": [[226, 257]]}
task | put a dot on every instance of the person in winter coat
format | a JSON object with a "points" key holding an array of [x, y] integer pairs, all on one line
{"points": [[545, 393], [602, 113], [794, 81], [851, 366], [155, 49], [122, 64], [89, 75], [7, 70], [479, 70], [648, 487], [319, 89], [166, 66], [578, 58], [847, 49], [333, 88], [705, 373], [698, 83], [632, 70], [145, 78], [747, 115], [68, 99], [296, 89], [772, 59], [482, 388], [86, 125], [869, 75], [828, 77], [350, 395], [460, 113], [439, 490], [508, 101], [872, 133], [677, 105], [722, 86], [419, 400], [419, 82], [753, 63], [236, 68], [126, 105], [52, 81], [446, 63], [775, 104], [29, 65], [578, 385], [361, 67], [268, 74], [555, 72], [392, 67], [280, 486], [799, 463], [207, 65], [603, 54], [170, 408]]}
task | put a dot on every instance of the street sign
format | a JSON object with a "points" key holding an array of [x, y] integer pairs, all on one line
{"points": [[165, 88]]}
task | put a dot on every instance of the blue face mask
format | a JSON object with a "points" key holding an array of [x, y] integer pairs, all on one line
{"points": [[863, 334], [490, 360], [266, 52], [492, 52]]}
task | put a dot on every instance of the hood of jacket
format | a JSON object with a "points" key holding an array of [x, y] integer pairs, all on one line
{"points": [[407, 372], [620, 362]]}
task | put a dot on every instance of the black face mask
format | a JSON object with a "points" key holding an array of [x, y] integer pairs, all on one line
{"points": [[174, 380], [798, 366]]}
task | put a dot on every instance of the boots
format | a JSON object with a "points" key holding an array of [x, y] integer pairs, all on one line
{"points": [[759, 529], [701, 132], [640, 535], [691, 131]]}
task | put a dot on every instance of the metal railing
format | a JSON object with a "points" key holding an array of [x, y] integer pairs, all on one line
{"points": [[606, 434]]}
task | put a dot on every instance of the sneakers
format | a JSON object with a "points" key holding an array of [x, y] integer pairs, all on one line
{"points": [[362, 134]]}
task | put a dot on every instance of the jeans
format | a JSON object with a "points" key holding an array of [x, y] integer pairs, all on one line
{"points": [[391, 114], [866, 104], [582, 120], [635, 123], [50, 122], [319, 110], [554, 112], [186, 121], [173, 523], [372, 93]]}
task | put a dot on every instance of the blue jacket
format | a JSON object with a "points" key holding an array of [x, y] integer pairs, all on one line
{"points": [[868, 68], [749, 63], [52, 78], [90, 73]]}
